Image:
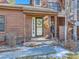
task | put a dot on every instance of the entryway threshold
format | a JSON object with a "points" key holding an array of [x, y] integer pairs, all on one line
{"points": [[40, 39]]}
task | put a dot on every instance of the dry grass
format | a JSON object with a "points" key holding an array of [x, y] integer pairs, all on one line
{"points": [[73, 57]]}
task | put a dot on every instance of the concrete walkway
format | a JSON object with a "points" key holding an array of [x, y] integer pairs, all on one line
{"points": [[34, 41], [40, 41]]}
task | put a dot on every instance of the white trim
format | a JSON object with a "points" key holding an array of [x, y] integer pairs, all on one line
{"points": [[38, 5], [33, 27]]}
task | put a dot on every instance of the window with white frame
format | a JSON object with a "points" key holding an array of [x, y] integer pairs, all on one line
{"points": [[37, 3], [54, 5], [2, 23]]}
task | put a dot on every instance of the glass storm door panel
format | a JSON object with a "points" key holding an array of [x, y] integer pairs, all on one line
{"points": [[39, 27]]}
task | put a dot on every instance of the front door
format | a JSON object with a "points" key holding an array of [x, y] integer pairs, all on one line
{"points": [[37, 26]]}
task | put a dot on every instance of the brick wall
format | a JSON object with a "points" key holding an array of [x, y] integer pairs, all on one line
{"points": [[28, 26], [14, 21]]}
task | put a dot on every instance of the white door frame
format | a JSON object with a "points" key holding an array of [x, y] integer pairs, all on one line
{"points": [[33, 27]]}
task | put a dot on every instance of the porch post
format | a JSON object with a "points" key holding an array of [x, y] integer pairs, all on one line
{"points": [[75, 33], [55, 27], [66, 29], [24, 28], [66, 19]]}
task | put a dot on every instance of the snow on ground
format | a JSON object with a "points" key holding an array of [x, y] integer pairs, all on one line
{"points": [[30, 51]]}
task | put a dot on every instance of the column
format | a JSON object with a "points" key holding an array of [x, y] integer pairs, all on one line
{"points": [[24, 28], [66, 29], [49, 21], [66, 19], [75, 33], [55, 26]]}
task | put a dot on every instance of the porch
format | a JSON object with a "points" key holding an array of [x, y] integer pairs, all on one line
{"points": [[22, 28]]}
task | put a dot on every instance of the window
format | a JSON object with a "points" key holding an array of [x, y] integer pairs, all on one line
{"points": [[78, 15], [77, 3], [37, 2], [2, 23], [55, 6], [23, 2]]}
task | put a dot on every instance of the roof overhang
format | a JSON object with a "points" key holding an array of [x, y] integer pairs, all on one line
{"points": [[29, 9], [10, 7]]}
